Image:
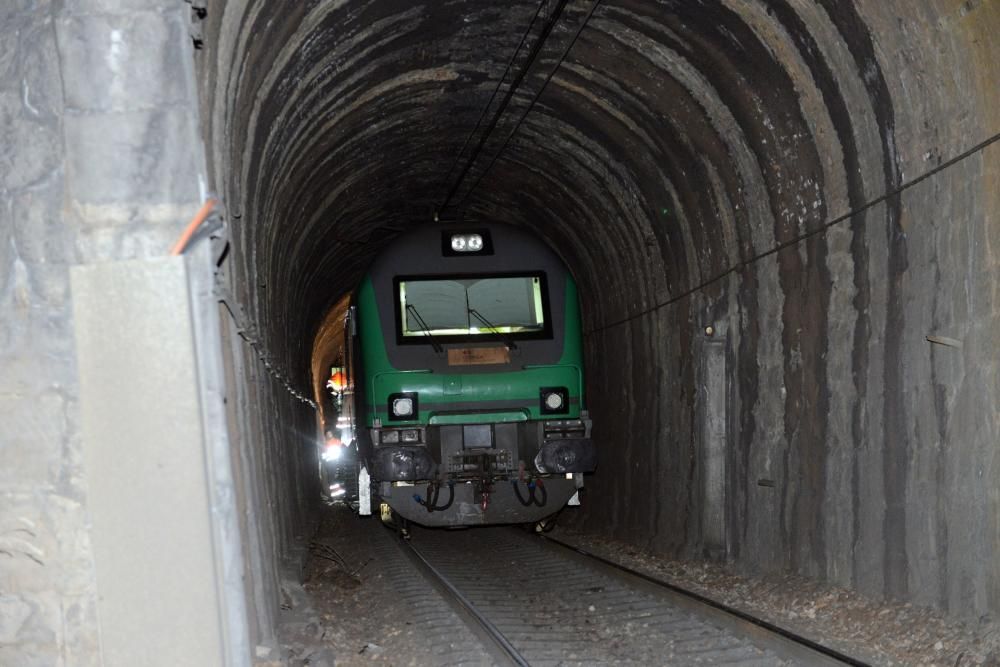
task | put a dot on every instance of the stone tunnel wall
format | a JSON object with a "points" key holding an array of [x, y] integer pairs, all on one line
{"points": [[275, 434], [100, 161], [819, 430], [676, 147]]}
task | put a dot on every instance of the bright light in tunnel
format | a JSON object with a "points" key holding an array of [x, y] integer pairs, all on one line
{"points": [[402, 407], [467, 242], [332, 452], [553, 401]]}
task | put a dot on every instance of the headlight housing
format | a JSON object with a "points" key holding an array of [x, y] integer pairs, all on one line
{"points": [[456, 242], [403, 406], [466, 242], [390, 437], [554, 400]]}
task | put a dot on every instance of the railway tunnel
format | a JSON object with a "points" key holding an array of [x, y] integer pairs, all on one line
{"points": [[782, 218]]}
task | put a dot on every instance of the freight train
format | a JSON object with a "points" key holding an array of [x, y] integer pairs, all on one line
{"points": [[466, 356]]}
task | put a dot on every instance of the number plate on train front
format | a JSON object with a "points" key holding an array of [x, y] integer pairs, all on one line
{"points": [[475, 356]]}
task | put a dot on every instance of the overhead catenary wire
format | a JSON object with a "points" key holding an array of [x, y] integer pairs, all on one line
{"points": [[536, 48], [534, 100], [486, 107], [739, 266]]}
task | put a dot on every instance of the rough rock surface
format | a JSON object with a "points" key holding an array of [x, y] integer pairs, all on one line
{"points": [[871, 630], [99, 161], [753, 167], [350, 607]]}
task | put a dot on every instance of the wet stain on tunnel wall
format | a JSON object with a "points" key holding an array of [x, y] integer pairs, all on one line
{"points": [[684, 159]]}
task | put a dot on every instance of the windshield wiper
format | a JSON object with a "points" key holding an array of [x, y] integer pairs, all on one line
{"points": [[423, 325], [508, 341]]}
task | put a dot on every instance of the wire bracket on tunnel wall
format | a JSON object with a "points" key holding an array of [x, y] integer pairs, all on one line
{"points": [[248, 334], [244, 330], [219, 232]]}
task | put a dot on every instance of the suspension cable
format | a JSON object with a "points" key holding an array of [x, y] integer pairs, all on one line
{"points": [[807, 235], [496, 90], [531, 106], [532, 55]]}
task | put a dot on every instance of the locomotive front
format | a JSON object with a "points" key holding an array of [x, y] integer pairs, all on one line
{"points": [[472, 374]]}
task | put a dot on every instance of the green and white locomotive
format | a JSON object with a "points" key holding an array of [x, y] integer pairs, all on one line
{"points": [[469, 381]]}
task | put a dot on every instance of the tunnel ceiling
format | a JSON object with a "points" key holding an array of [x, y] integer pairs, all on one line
{"points": [[674, 140]]}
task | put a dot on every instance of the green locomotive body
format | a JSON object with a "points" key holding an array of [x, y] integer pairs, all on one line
{"points": [[469, 382]]}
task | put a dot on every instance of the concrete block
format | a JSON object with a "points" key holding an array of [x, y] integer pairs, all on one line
{"points": [[123, 61], [146, 465], [132, 166]]}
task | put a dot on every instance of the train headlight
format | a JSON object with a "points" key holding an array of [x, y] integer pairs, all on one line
{"points": [[554, 399], [403, 405], [390, 437], [411, 435], [466, 242]]}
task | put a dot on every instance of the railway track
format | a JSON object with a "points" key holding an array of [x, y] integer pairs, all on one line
{"points": [[534, 601]]}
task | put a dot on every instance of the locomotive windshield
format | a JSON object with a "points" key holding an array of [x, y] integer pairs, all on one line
{"points": [[472, 306]]}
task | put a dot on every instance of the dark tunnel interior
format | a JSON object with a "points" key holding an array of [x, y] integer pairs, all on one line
{"points": [[768, 206]]}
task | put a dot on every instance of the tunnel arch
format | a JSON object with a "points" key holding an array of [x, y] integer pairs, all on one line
{"points": [[684, 160]]}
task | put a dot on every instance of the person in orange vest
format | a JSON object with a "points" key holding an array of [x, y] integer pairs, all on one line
{"points": [[337, 382]]}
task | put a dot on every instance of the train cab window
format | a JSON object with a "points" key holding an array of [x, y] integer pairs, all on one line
{"points": [[472, 308]]}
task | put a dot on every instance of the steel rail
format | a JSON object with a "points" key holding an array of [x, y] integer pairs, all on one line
{"points": [[792, 644], [491, 631]]}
